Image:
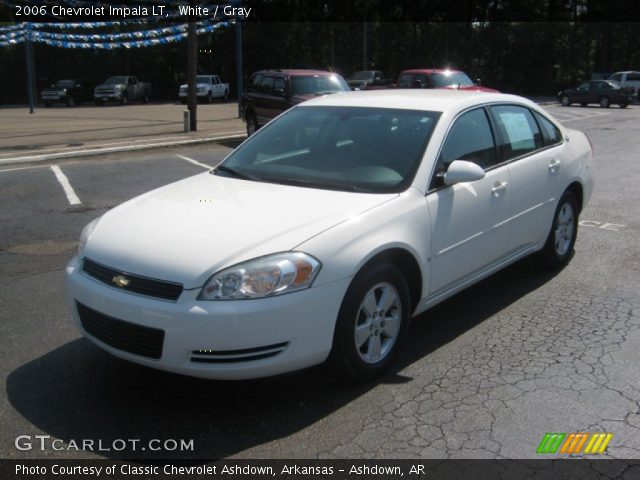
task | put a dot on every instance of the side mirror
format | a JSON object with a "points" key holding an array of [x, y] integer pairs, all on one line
{"points": [[463, 171], [418, 84], [279, 92], [478, 81]]}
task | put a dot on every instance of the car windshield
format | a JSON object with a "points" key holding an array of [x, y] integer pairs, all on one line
{"points": [[364, 75], [318, 84], [451, 78], [116, 80], [359, 149], [201, 79], [65, 83]]}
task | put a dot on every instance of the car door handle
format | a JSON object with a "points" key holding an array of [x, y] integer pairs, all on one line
{"points": [[498, 187], [554, 165]]}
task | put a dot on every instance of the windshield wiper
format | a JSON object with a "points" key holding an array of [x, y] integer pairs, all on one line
{"points": [[316, 184], [234, 172]]}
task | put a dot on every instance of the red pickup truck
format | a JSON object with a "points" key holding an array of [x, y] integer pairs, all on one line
{"points": [[438, 78]]}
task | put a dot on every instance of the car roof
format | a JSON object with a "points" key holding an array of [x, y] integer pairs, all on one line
{"points": [[439, 100], [626, 71], [430, 70], [297, 71]]}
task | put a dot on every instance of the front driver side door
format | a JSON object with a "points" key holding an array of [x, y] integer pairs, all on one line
{"points": [[469, 221]]}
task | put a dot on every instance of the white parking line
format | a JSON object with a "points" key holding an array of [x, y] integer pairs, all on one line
{"points": [[195, 162], [66, 186], [22, 168]]}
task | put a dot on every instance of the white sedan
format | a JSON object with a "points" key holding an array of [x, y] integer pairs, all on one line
{"points": [[321, 235]]}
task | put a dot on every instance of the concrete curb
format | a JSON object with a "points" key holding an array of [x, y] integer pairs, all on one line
{"points": [[104, 151]]}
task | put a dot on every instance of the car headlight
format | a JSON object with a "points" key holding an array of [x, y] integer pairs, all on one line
{"points": [[262, 277], [118, 88], [86, 233]]}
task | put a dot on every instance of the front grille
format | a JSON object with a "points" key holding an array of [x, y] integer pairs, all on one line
{"points": [[136, 284], [235, 356], [129, 337]]}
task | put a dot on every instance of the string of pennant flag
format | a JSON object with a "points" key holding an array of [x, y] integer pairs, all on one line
{"points": [[109, 41]]}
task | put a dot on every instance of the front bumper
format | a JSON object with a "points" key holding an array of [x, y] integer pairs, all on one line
{"points": [[108, 96], [301, 323]]}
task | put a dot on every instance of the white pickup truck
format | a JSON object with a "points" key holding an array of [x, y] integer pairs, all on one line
{"points": [[208, 87], [628, 79]]}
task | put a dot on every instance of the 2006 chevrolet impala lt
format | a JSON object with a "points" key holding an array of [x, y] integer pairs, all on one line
{"points": [[322, 234]]}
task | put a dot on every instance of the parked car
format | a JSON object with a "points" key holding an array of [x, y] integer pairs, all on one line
{"points": [[208, 87], [271, 92], [628, 79], [438, 78], [367, 80], [123, 89], [69, 92], [602, 92], [326, 231]]}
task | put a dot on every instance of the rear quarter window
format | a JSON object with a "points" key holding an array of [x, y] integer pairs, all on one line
{"points": [[550, 133]]}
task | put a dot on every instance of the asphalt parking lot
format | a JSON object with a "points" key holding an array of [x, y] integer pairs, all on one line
{"points": [[484, 375]]}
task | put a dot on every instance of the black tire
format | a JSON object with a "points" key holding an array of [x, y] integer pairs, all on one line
{"points": [[604, 102], [209, 98], [252, 124], [145, 97], [70, 101], [124, 100], [346, 358], [565, 100], [225, 97], [551, 255], [624, 105], [583, 104]]}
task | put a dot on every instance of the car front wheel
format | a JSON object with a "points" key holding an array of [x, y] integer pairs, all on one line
{"points": [[565, 100], [604, 102], [371, 324], [558, 248]]}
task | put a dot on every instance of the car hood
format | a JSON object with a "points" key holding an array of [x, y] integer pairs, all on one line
{"points": [[186, 231], [110, 85]]}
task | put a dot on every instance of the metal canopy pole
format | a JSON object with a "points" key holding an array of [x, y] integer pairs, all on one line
{"points": [[29, 57], [192, 61]]}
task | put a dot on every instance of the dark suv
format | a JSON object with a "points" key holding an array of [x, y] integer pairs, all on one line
{"points": [[271, 92]]}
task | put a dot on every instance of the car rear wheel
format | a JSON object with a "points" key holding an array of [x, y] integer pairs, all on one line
{"points": [[565, 100], [558, 248], [252, 124], [624, 105], [583, 104], [604, 102], [371, 324]]}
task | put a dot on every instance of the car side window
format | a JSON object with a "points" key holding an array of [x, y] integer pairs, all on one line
{"points": [[405, 80], [633, 77], [471, 139], [550, 133], [584, 86], [420, 80], [278, 84], [518, 131], [266, 86], [617, 77]]}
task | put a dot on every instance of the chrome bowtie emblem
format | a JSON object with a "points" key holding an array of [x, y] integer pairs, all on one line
{"points": [[120, 281]]}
